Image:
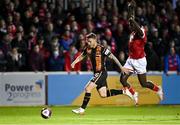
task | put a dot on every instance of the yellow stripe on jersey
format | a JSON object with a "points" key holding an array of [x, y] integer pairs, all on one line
{"points": [[98, 58]]}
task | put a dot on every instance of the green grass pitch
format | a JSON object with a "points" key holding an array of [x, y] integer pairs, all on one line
{"points": [[95, 115]]}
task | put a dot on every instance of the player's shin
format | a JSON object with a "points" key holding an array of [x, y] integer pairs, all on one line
{"points": [[86, 100], [149, 84], [113, 92], [157, 89]]}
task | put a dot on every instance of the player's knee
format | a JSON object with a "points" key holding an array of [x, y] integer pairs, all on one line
{"points": [[103, 95], [87, 90]]}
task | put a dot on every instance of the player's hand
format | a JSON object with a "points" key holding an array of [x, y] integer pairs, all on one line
{"points": [[72, 65], [131, 9], [132, 3], [126, 70]]}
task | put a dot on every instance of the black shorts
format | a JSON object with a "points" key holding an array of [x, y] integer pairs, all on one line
{"points": [[100, 79]]}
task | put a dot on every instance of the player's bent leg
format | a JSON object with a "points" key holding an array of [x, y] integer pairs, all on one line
{"points": [[143, 81], [103, 91], [123, 80], [149, 84], [133, 95], [114, 92], [86, 99]]}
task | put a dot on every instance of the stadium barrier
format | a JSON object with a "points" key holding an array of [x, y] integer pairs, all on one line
{"points": [[69, 90], [171, 88], [17, 89], [61, 88]]}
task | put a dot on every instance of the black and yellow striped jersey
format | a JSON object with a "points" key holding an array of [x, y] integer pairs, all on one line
{"points": [[98, 57]]}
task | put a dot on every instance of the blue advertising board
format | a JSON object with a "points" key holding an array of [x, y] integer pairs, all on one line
{"points": [[63, 89]]}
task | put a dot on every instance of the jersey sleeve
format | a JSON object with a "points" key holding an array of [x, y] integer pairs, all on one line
{"points": [[106, 52]]}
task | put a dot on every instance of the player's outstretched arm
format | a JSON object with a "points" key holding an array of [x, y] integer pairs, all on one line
{"points": [[111, 56], [123, 70], [78, 59], [131, 8], [136, 27], [131, 18]]}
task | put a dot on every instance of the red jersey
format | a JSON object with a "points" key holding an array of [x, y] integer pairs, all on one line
{"points": [[136, 45]]}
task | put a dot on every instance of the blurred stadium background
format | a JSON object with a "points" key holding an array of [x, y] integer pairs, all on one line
{"points": [[40, 38]]}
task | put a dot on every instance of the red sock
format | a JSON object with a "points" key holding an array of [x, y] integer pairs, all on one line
{"points": [[156, 88], [131, 90]]}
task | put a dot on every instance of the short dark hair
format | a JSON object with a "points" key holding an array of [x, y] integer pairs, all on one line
{"points": [[91, 35]]}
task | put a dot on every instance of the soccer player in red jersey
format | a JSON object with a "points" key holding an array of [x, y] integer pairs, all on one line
{"points": [[137, 57]]}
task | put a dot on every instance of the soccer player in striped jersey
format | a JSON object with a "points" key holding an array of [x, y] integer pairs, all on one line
{"points": [[98, 54]]}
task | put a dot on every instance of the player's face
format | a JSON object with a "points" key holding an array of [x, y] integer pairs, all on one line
{"points": [[91, 42]]}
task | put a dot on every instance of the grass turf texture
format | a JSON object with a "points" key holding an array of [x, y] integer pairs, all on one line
{"points": [[99, 115]]}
